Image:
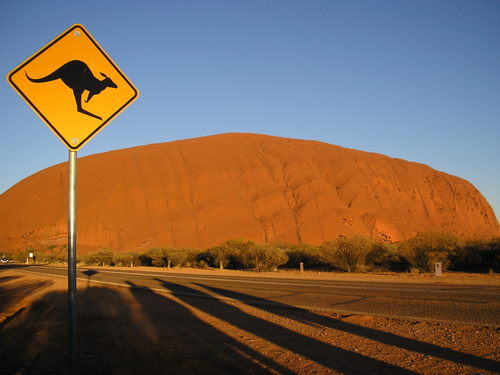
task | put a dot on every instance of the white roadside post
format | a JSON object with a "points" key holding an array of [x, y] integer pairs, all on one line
{"points": [[438, 270]]}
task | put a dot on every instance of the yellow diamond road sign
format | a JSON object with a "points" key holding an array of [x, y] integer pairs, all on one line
{"points": [[74, 86]]}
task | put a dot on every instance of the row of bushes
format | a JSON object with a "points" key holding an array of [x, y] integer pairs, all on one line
{"points": [[348, 254], [419, 253], [233, 254]]}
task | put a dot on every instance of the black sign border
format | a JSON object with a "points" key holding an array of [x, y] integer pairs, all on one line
{"points": [[54, 129]]}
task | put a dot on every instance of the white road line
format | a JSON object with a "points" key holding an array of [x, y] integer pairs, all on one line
{"points": [[270, 303], [406, 289]]}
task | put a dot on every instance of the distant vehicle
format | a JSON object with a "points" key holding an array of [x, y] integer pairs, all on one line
{"points": [[4, 260]]}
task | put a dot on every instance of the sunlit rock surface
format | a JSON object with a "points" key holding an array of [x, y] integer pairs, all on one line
{"points": [[200, 192]]}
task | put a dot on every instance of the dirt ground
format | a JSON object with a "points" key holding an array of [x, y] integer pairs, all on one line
{"points": [[125, 330]]}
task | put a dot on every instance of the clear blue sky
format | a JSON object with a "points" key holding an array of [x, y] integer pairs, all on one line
{"points": [[417, 80]]}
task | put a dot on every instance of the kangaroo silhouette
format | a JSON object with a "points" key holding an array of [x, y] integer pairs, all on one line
{"points": [[78, 77]]}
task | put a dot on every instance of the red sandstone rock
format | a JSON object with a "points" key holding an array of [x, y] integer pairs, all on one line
{"points": [[200, 192]]}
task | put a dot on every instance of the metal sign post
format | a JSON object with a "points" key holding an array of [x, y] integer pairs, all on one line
{"points": [[72, 260], [57, 82]]}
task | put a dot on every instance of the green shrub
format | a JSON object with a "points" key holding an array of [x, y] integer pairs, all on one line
{"points": [[145, 260], [238, 254], [385, 257], [51, 254], [62, 258], [429, 247], [47, 258], [122, 260], [153, 257], [163, 257], [103, 257], [229, 253], [191, 257], [479, 255], [217, 255], [263, 257], [310, 256], [347, 253], [125, 259], [174, 257]]}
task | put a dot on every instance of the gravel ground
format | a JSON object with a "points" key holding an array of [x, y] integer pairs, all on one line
{"points": [[138, 331]]}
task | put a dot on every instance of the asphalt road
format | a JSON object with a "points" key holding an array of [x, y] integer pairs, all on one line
{"points": [[442, 302]]}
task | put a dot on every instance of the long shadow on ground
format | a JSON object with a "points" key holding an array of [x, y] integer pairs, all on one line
{"points": [[193, 345], [335, 358], [121, 333], [308, 317], [11, 295], [36, 341]]}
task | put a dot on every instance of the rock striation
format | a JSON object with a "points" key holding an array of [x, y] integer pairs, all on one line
{"points": [[200, 192]]}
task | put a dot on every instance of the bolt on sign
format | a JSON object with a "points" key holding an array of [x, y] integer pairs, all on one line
{"points": [[74, 86]]}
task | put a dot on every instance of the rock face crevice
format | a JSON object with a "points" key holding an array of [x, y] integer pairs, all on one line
{"points": [[200, 192]]}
